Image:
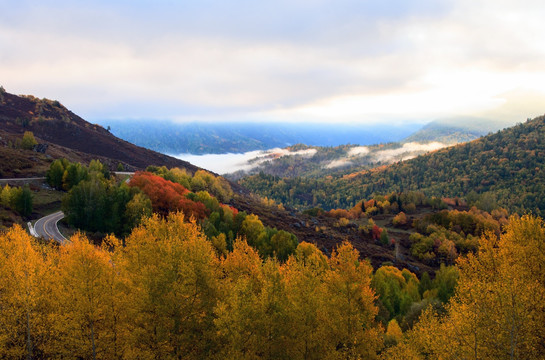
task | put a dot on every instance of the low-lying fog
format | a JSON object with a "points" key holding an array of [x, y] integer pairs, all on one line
{"points": [[230, 163]]}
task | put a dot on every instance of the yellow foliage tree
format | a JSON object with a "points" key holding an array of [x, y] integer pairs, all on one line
{"points": [[254, 231], [303, 276], [23, 309], [393, 333], [173, 277], [499, 310], [349, 312], [239, 312], [86, 303], [28, 142]]}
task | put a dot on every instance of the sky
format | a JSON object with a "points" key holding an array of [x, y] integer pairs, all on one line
{"points": [[284, 60]]}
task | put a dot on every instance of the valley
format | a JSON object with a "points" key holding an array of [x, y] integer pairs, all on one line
{"points": [[319, 180], [287, 180], [409, 215], [245, 136]]}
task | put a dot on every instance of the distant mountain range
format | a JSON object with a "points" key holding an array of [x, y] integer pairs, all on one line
{"points": [[219, 138], [318, 161]]}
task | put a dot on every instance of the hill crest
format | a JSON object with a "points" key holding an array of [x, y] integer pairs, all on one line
{"points": [[53, 123], [508, 165]]}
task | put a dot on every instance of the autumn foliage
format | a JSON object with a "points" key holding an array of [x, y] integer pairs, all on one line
{"points": [[101, 204], [498, 310], [166, 294], [376, 232], [167, 196]]}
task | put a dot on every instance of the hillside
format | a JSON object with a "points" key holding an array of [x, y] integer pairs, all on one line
{"points": [[318, 161], [69, 136], [508, 166], [53, 123], [16, 162], [456, 130]]}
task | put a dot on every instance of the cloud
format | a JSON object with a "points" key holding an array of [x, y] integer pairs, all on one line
{"points": [[222, 163], [405, 152], [288, 60], [278, 153]]}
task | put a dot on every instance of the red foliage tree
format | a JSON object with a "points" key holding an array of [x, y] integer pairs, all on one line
{"points": [[376, 231], [167, 196]]}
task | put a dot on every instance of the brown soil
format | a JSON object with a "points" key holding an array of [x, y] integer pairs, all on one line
{"points": [[328, 236]]}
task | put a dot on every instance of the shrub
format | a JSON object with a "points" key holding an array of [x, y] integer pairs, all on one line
{"points": [[384, 238], [342, 222], [400, 219], [28, 141]]}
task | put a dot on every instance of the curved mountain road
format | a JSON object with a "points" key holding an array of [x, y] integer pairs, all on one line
{"points": [[46, 227]]}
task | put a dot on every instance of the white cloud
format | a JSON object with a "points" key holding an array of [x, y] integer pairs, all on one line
{"points": [[277, 153], [297, 60]]}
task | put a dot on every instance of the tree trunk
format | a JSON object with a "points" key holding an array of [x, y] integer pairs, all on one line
{"points": [[93, 340], [28, 339]]}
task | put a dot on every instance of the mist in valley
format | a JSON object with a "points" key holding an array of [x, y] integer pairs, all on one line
{"points": [[251, 162]]}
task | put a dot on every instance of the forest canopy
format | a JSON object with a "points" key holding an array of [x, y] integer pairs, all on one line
{"points": [[502, 169], [166, 293]]}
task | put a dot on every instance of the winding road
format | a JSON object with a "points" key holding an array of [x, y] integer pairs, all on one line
{"points": [[46, 227]]}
